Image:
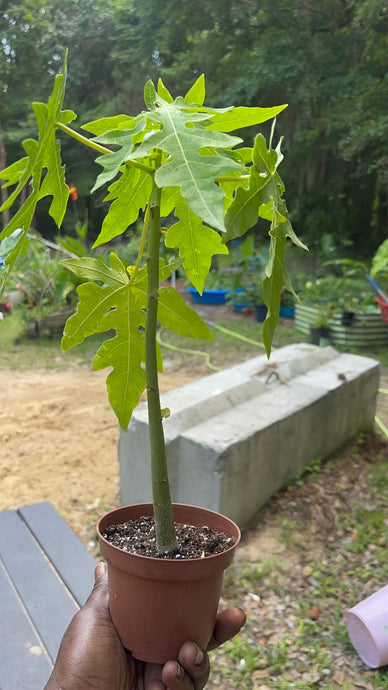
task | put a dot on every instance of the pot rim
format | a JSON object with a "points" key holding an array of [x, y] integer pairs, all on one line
{"points": [[234, 531]]}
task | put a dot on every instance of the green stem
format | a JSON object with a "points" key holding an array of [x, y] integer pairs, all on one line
{"points": [[142, 243], [82, 139], [164, 521], [101, 149]]}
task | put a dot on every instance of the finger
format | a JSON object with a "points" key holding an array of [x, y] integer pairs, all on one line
{"points": [[191, 671], [228, 624], [99, 596], [99, 570], [152, 677]]}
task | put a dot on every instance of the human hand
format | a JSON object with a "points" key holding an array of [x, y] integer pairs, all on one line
{"points": [[91, 655]]}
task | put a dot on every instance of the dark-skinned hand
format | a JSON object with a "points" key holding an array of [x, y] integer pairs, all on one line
{"points": [[91, 656]]}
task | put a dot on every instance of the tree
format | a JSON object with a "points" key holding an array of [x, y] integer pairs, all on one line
{"points": [[35, 35], [327, 60]]}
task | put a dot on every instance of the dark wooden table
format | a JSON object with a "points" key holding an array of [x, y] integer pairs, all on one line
{"points": [[46, 574]]}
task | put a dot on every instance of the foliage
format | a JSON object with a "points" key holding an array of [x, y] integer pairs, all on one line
{"points": [[342, 288], [35, 34], [179, 157], [323, 315], [115, 301], [328, 61], [46, 284], [380, 260]]}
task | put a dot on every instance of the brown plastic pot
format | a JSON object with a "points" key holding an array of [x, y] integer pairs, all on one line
{"points": [[158, 604]]}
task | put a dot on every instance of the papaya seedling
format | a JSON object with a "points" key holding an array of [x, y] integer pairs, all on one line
{"points": [[177, 158]]}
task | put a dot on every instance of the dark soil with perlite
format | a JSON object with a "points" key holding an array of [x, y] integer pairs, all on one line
{"points": [[138, 536]]}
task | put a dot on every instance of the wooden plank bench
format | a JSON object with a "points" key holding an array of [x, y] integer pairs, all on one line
{"points": [[46, 574]]}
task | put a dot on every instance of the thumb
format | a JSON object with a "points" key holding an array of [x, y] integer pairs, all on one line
{"points": [[99, 571]]}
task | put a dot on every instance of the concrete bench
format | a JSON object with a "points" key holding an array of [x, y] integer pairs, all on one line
{"points": [[236, 436], [46, 574]]}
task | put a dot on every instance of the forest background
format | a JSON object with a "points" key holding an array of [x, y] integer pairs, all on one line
{"points": [[327, 60]]}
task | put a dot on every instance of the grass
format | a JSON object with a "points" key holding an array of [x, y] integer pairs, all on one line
{"points": [[295, 636], [235, 338], [19, 352], [288, 648]]}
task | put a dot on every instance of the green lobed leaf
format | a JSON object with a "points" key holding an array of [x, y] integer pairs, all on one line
{"points": [[119, 305], [90, 268], [54, 182], [125, 353], [150, 95], [196, 94], [194, 173], [263, 197], [275, 281], [94, 301], [10, 242], [8, 246], [13, 174], [176, 315], [42, 155], [164, 92], [240, 117], [22, 219], [131, 194], [108, 124], [197, 244], [166, 270], [170, 198], [264, 185], [242, 214], [112, 162]]}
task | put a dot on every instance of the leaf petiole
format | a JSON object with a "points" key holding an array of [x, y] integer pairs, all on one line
{"points": [[99, 148], [82, 139]]}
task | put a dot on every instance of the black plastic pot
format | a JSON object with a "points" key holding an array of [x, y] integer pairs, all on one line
{"points": [[347, 318], [260, 312]]}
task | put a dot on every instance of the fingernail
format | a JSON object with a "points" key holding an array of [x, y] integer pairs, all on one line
{"points": [[179, 673], [244, 613], [100, 569], [198, 657]]}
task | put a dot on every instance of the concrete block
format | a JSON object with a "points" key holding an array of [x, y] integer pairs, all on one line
{"points": [[236, 436]]}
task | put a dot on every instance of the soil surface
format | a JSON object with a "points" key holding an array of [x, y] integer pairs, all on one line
{"points": [[138, 536]]}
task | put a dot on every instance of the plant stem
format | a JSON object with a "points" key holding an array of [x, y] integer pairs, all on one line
{"points": [[142, 243], [164, 521]]}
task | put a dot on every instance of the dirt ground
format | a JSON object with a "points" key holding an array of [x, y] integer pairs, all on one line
{"points": [[58, 440]]}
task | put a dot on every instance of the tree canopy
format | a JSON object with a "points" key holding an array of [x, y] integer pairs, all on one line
{"points": [[326, 60]]}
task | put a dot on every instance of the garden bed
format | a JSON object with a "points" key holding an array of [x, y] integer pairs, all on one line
{"points": [[366, 330]]}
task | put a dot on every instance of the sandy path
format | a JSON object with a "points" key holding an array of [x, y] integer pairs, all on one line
{"points": [[58, 440]]}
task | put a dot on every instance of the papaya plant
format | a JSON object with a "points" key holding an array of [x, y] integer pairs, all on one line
{"points": [[176, 158]]}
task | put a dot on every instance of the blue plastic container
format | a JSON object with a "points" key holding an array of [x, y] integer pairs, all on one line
{"points": [[287, 312], [210, 296]]}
